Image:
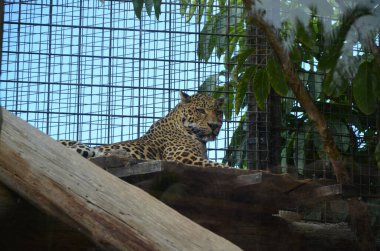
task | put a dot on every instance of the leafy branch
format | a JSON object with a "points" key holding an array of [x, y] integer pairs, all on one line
{"points": [[300, 92], [358, 212]]}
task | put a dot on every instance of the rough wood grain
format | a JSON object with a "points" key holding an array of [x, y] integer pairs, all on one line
{"points": [[116, 215], [247, 207]]}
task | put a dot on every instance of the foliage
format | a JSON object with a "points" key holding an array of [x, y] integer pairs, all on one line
{"points": [[320, 47], [149, 5], [340, 74], [236, 154], [366, 86], [330, 78]]}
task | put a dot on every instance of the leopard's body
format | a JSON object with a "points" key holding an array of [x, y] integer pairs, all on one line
{"points": [[179, 136]]}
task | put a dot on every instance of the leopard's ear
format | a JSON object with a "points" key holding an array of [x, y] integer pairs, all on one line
{"points": [[185, 98]]}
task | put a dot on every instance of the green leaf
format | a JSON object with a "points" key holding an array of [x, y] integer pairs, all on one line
{"points": [[295, 55], [202, 6], [229, 60], [207, 41], [137, 7], [230, 23], [183, 6], [149, 6], [157, 8], [314, 84], [317, 29], [276, 77], [241, 58], [209, 9], [209, 85], [287, 150], [242, 87], [228, 100], [225, 91], [235, 14], [261, 88], [333, 48], [221, 45], [304, 36], [236, 151], [364, 85], [377, 154], [335, 84], [337, 38], [221, 31], [244, 54], [376, 79], [193, 7], [214, 32]]}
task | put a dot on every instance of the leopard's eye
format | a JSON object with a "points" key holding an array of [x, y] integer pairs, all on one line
{"points": [[201, 110]]}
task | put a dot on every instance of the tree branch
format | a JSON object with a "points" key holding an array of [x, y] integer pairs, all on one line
{"points": [[300, 92], [358, 210]]}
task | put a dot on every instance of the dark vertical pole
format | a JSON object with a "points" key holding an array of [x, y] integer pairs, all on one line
{"points": [[139, 88], [79, 75], [251, 108], [110, 89], [274, 154], [170, 79], [264, 126], [48, 102], [275, 112], [257, 142], [17, 107]]}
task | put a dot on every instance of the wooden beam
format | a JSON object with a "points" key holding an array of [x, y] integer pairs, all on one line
{"points": [[116, 215], [124, 167]]}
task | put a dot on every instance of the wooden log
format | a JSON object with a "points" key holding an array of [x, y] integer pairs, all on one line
{"points": [[242, 206], [116, 215], [123, 167], [286, 190]]}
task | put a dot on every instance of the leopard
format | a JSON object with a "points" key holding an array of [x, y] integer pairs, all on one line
{"points": [[180, 136]]}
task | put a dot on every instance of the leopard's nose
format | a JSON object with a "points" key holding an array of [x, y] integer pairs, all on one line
{"points": [[213, 126]]}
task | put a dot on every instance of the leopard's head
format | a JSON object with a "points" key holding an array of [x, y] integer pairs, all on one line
{"points": [[202, 115]]}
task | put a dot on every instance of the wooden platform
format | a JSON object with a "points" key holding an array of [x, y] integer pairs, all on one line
{"points": [[255, 210], [225, 209]]}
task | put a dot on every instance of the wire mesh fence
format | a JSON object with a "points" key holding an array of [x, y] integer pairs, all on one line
{"points": [[91, 71]]}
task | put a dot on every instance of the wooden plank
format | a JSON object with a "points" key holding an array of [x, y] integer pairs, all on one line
{"points": [[124, 167], [331, 190], [116, 215], [249, 179]]}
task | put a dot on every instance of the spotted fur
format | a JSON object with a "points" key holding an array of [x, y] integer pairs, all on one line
{"points": [[179, 136]]}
